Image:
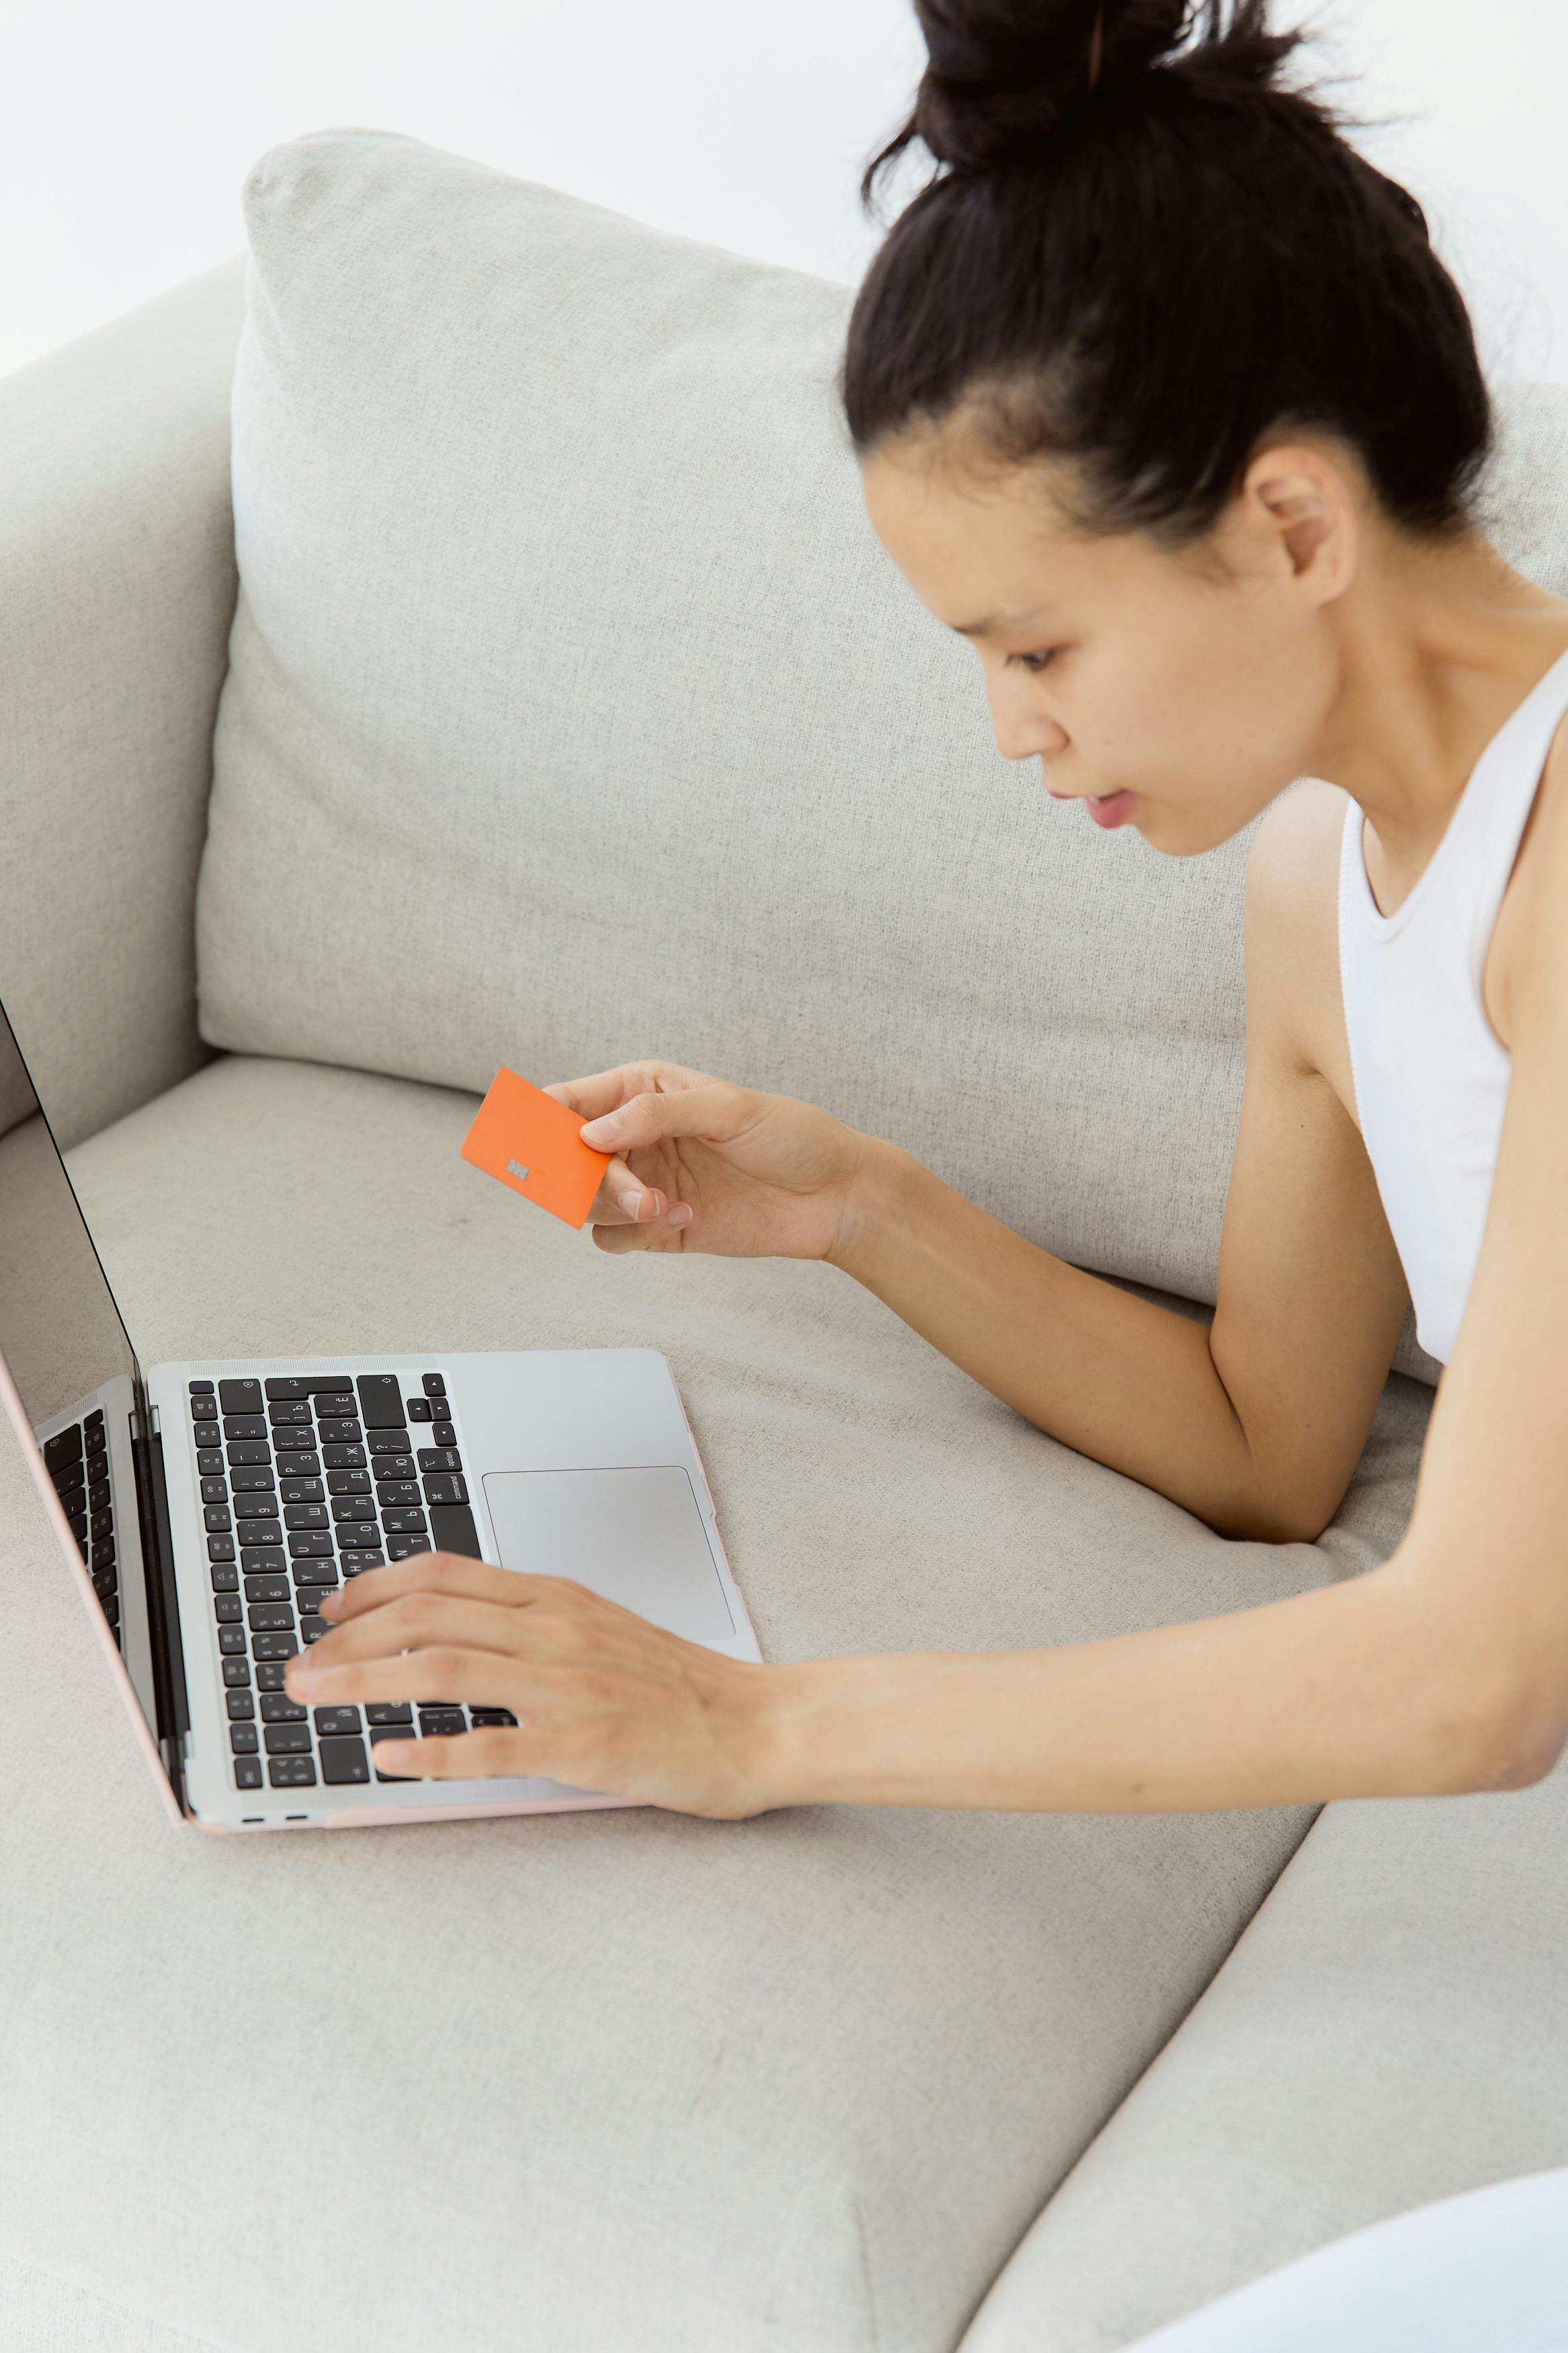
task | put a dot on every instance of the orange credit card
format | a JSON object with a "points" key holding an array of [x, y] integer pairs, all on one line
{"points": [[532, 1143]]}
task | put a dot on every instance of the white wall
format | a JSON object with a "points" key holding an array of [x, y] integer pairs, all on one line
{"points": [[125, 131]]}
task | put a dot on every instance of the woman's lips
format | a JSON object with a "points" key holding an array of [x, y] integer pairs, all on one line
{"points": [[1112, 809]]}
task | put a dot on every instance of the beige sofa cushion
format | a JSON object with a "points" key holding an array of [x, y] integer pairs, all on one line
{"points": [[575, 715], [1391, 2029], [584, 2083]]}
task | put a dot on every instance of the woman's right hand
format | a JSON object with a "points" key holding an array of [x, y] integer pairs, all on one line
{"points": [[702, 1166]]}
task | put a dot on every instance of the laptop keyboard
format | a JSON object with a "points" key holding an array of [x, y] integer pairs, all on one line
{"points": [[307, 1481], [76, 1460]]}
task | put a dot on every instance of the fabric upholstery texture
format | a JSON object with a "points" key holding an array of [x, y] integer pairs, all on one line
{"points": [[42, 2313], [1391, 2029], [1490, 2270], [117, 585], [620, 2079]]}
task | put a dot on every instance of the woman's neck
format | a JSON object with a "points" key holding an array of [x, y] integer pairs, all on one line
{"points": [[1437, 648]]}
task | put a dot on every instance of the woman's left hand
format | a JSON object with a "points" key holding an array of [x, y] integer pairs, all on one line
{"points": [[603, 1700]]}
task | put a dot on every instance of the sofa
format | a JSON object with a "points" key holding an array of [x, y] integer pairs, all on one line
{"points": [[448, 635]]}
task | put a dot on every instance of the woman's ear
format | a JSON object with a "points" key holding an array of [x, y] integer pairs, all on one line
{"points": [[1300, 498]]}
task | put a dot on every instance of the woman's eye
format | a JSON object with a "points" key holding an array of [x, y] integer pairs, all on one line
{"points": [[1035, 663]]}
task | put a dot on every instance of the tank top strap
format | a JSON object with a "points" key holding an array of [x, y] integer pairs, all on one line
{"points": [[1498, 801]]}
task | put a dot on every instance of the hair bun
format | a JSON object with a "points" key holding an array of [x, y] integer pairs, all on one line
{"points": [[1006, 73]]}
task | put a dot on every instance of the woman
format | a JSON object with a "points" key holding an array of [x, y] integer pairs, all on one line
{"points": [[1163, 399]]}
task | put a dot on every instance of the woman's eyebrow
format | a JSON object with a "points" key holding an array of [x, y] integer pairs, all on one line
{"points": [[993, 621]]}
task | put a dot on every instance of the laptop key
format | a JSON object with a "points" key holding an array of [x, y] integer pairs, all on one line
{"points": [[220, 1548], [397, 1491], [64, 1447], [439, 1457], [111, 1606], [260, 1532], [215, 1491], [353, 1561], [277, 1708], [242, 1739], [204, 1409], [388, 1441], [306, 1491], [388, 1711], [291, 1772], [344, 1762], [200, 1389], [266, 1588], [224, 1574], [268, 1649], [227, 1609], [348, 1482], [256, 1503], [287, 1740], [381, 1400], [452, 1526], [209, 1461], [404, 1547], [248, 1457], [446, 1487], [231, 1641], [418, 1409], [434, 1385], [311, 1630], [70, 1475], [314, 1572], [304, 1515], [352, 1508], [253, 1482], [216, 1516], [104, 1553], [337, 1719], [239, 1427], [241, 1705], [101, 1522], [338, 1409], [97, 1495], [299, 1466], [403, 1521], [339, 1433], [269, 1676], [247, 1772], [442, 1434], [483, 1715], [270, 1617], [239, 1396], [358, 1535], [236, 1673], [344, 1458], [439, 1723], [310, 1544], [288, 1410]]}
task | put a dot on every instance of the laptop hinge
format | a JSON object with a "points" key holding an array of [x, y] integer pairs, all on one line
{"points": [[162, 1599]]}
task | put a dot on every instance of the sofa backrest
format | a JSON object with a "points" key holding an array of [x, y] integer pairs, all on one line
{"points": [[575, 715]]}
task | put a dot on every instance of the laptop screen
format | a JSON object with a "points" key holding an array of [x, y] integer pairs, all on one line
{"points": [[60, 1330]]}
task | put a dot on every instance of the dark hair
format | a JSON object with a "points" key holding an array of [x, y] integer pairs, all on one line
{"points": [[1140, 255]]}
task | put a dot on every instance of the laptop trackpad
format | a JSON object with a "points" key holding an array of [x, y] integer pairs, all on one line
{"points": [[636, 1536]]}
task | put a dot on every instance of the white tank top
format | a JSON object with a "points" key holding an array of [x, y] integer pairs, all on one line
{"points": [[1430, 1075]]}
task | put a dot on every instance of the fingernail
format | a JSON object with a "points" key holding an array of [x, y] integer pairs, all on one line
{"points": [[630, 1200], [600, 1132], [682, 1214]]}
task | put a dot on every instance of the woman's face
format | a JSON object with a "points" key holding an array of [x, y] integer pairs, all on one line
{"points": [[1178, 693]]}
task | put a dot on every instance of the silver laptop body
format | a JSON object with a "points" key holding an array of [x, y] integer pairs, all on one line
{"points": [[204, 1507]]}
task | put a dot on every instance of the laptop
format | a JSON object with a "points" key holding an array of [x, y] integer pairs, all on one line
{"points": [[204, 1508]]}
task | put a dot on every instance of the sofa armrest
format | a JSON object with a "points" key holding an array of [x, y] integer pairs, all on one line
{"points": [[117, 589]]}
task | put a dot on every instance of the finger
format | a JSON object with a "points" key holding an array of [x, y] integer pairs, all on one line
{"points": [[417, 1621], [624, 1199], [712, 1110], [437, 1572], [446, 1674], [607, 1089], [666, 1232], [483, 1756]]}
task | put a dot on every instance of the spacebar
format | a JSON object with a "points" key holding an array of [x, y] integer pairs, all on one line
{"points": [[452, 1529]]}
